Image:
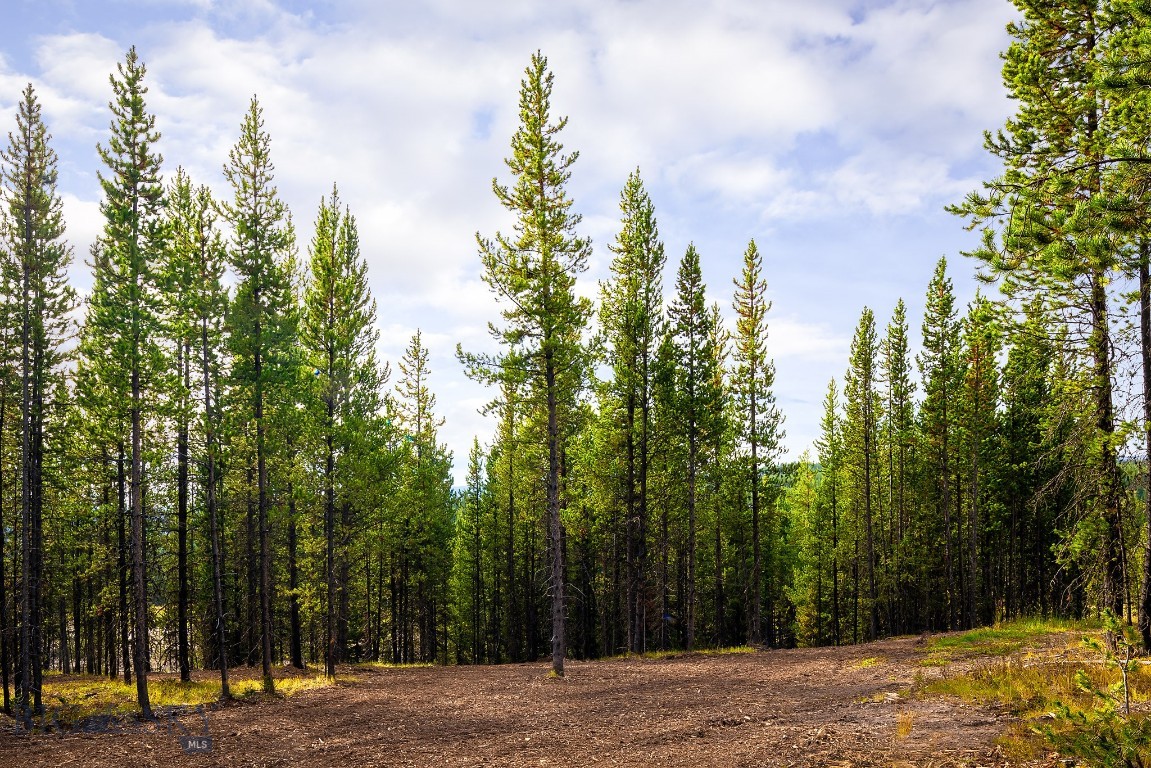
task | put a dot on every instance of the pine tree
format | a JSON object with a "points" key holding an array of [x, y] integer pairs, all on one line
{"points": [[759, 418], [939, 369], [197, 306], [860, 433], [534, 272], [425, 496], [1043, 232], [471, 564], [631, 318], [9, 355], [697, 398], [337, 331], [126, 312], [262, 322], [830, 447], [36, 259], [899, 436], [980, 436]]}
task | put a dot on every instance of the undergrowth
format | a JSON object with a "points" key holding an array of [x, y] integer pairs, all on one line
{"points": [[999, 640], [1073, 695], [70, 699]]}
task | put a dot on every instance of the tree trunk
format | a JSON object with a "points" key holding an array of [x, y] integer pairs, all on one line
{"points": [[555, 524], [295, 642], [1145, 349], [332, 645], [183, 364], [1109, 470], [139, 578], [5, 629], [122, 550]]}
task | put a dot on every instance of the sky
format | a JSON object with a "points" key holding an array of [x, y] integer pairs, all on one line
{"points": [[832, 132]]}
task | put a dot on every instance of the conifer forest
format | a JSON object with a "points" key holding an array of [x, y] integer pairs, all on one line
{"points": [[205, 463]]}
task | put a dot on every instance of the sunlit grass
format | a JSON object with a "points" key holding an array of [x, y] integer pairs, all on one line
{"points": [[675, 654], [1000, 640], [1025, 671], [870, 661], [70, 698], [390, 665], [904, 722]]}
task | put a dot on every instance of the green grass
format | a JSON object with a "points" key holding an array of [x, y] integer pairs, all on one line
{"points": [[1000, 640], [657, 655], [1017, 667], [71, 698]]}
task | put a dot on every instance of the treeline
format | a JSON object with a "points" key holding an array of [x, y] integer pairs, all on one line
{"points": [[215, 469], [201, 475]]}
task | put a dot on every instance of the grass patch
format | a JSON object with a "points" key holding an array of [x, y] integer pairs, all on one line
{"points": [[999, 640], [658, 655], [904, 722], [870, 661], [69, 699], [1051, 687]]}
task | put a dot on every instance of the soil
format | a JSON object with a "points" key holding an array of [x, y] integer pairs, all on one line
{"points": [[847, 706]]}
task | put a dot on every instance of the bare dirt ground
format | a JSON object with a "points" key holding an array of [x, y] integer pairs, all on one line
{"points": [[807, 707]]}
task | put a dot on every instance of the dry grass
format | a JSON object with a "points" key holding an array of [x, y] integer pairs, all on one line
{"points": [[904, 722], [1032, 666], [69, 699]]}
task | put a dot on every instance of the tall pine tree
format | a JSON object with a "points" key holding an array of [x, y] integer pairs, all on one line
{"points": [[534, 272], [759, 419], [262, 327], [127, 310], [35, 258]]}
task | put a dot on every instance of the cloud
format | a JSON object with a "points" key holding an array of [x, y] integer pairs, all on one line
{"points": [[749, 118]]}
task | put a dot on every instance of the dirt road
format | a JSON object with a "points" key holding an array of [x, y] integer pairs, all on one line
{"points": [[807, 707]]}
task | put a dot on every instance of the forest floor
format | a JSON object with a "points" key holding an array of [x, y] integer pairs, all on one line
{"points": [[847, 706]]}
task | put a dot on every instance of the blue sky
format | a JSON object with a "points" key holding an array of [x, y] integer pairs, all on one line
{"points": [[831, 132]]}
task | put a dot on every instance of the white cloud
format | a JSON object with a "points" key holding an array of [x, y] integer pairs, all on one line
{"points": [[746, 116]]}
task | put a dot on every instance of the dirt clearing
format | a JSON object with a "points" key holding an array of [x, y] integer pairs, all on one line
{"points": [[807, 707]]}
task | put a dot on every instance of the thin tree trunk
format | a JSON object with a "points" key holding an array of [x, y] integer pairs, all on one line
{"points": [[5, 629], [295, 642], [122, 549], [330, 547], [183, 364], [213, 520], [555, 524], [1145, 349], [139, 579], [1105, 423]]}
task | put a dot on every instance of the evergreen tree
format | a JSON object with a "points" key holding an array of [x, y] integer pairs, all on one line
{"points": [[758, 416], [860, 433], [1043, 232], [126, 311], [899, 437], [631, 318], [980, 437], [35, 258], [829, 499], [337, 331], [426, 504], [939, 368], [197, 305], [262, 323], [534, 272], [9, 354], [697, 398], [471, 564]]}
